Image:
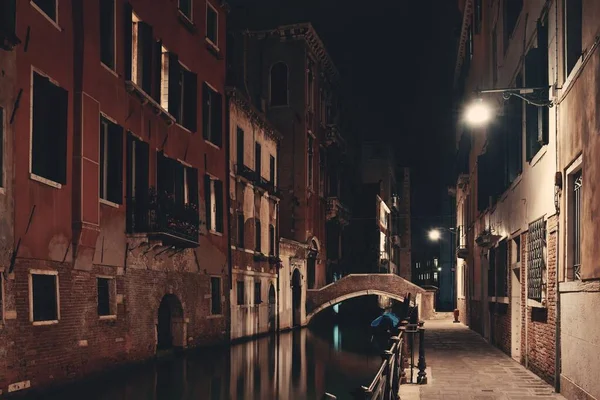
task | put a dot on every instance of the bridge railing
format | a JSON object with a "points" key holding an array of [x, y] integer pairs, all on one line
{"points": [[385, 385]]}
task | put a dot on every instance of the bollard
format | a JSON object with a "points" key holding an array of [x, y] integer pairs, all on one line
{"points": [[422, 375], [456, 315]]}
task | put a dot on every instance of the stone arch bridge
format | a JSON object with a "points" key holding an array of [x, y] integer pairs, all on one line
{"points": [[356, 285]]}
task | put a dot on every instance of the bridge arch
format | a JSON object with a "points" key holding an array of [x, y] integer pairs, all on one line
{"points": [[360, 293]]}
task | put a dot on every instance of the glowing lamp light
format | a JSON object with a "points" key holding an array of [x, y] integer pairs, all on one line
{"points": [[434, 234], [478, 113]]}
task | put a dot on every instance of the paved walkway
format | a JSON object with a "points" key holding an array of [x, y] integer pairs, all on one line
{"points": [[461, 365]]}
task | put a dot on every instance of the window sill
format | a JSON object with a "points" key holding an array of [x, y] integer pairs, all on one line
{"points": [[42, 323], [2, 191], [109, 69], [186, 21], [536, 304], [184, 128], [571, 78], [215, 233], [212, 47], [109, 203], [45, 181], [212, 144], [53, 22], [214, 316], [107, 317], [145, 98], [538, 156]]}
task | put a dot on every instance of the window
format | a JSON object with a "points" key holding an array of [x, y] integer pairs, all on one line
{"points": [[272, 170], [310, 161], [175, 179], [49, 130], [179, 91], [212, 24], [512, 10], [310, 92], [105, 297], [140, 53], [240, 231], [516, 250], [272, 240], [49, 7], [111, 161], [215, 296], [577, 180], [258, 160], [240, 148], [185, 7], [279, 84], [212, 115], [8, 19], [213, 190], [573, 33], [257, 235], [322, 172], [44, 295], [107, 33], [435, 276], [536, 75], [240, 293], [257, 294], [536, 268], [138, 168]]}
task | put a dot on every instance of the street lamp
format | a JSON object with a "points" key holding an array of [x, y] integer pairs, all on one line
{"points": [[434, 234], [480, 113]]}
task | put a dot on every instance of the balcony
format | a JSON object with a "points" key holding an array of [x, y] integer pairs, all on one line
{"points": [[333, 137], [164, 219], [337, 210], [245, 172], [145, 99]]}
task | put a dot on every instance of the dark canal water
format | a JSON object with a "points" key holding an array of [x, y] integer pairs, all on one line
{"points": [[302, 364]]}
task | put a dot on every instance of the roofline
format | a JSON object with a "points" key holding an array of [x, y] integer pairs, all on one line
{"points": [[253, 113], [467, 12], [312, 39]]}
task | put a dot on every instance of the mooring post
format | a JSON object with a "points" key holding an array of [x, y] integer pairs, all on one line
{"points": [[403, 352], [397, 346], [422, 375]]}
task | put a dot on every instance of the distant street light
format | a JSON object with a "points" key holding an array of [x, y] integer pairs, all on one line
{"points": [[434, 235], [478, 113]]}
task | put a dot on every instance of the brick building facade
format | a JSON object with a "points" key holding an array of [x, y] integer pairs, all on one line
{"points": [[118, 156], [506, 230]]}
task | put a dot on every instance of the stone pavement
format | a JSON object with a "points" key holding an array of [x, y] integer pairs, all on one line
{"points": [[461, 365]]}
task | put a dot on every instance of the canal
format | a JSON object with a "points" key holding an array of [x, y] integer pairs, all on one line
{"points": [[329, 356]]}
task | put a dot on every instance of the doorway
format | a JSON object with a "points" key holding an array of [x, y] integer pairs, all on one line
{"points": [[171, 326], [272, 308], [296, 298]]}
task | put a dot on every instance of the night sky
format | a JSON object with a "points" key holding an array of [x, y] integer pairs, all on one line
{"points": [[396, 58]]}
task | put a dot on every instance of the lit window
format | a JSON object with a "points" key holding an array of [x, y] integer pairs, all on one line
{"points": [[213, 189]]}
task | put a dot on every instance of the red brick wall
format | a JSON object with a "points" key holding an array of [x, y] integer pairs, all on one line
{"points": [[541, 323]]}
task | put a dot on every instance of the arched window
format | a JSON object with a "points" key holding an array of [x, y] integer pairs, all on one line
{"points": [[279, 84]]}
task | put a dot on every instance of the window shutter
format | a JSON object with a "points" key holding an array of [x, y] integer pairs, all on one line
{"points": [[219, 205], [217, 119], [207, 202], [206, 111], [240, 148], [8, 16], [157, 70], [174, 88], [192, 182], [60, 99], [257, 234], [115, 164], [127, 46], [145, 46], [142, 169], [40, 136], [190, 104]]}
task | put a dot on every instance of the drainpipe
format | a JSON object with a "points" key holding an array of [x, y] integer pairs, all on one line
{"points": [[228, 208], [557, 347]]}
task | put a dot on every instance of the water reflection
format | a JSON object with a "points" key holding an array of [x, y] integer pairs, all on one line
{"points": [[302, 364]]}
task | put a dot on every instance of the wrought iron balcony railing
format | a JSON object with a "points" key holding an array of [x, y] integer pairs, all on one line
{"points": [[245, 172], [337, 210], [161, 216], [461, 242]]}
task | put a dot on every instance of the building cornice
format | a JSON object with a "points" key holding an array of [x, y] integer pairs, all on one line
{"points": [[257, 117], [464, 32], [304, 31]]}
